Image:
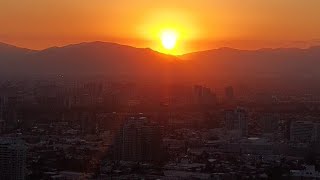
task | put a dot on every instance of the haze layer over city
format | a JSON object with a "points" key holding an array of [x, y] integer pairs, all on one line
{"points": [[207, 89]]}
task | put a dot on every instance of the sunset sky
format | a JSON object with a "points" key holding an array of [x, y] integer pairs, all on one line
{"points": [[201, 24]]}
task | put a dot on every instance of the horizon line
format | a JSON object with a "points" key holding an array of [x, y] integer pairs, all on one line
{"points": [[191, 52]]}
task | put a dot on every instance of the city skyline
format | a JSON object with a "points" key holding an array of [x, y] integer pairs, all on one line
{"points": [[170, 89]]}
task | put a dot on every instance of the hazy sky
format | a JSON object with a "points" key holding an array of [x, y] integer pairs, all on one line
{"points": [[202, 23]]}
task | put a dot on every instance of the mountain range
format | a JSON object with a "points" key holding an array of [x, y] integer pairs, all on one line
{"points": [[121, 61]]}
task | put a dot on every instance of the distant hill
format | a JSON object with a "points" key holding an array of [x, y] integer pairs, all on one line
{"points": [[280, 64], [120, 61], [85, 59], [11, 58], [7, 49]]}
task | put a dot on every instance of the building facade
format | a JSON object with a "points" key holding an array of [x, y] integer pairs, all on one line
{"points": [[12, 159], [237, 119], [138, 140]]}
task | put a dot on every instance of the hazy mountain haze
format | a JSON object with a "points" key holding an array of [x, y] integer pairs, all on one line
{"points": [[115, 60]]}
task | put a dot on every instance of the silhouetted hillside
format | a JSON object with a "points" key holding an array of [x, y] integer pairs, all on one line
{"points": [[7, 49], [12, 59], [119, 61], [264, 63], [89, 58]]}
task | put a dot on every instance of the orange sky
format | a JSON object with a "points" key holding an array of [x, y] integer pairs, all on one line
{"points": [[203, 24]]}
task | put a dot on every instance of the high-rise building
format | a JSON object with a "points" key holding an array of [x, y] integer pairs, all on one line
{"points": [[138, 140], [2, 126], [237, 119], [203, 96], [3, 106], [12, 159], [9, 111], [87, 122], [229, 93], [304, 131], [269, 123]]}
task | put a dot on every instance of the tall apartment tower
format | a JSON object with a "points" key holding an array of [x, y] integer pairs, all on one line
{"points": [[12, 159], [138, 140], [237, 119], [203, 96], [229, 93], [269, 123], [3, 106], [305, 131]]}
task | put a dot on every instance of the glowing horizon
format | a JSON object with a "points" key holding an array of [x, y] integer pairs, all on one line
{"points": [[201, 25]]}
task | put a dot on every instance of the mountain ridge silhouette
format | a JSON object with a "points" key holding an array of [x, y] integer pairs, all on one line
{"points": [[116, 60]]}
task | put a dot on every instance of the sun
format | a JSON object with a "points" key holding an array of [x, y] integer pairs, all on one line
{"points": [[169, 39]]}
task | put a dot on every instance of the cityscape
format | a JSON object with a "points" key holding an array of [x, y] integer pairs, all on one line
{"points": [[159, 90], [95, 129]]}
